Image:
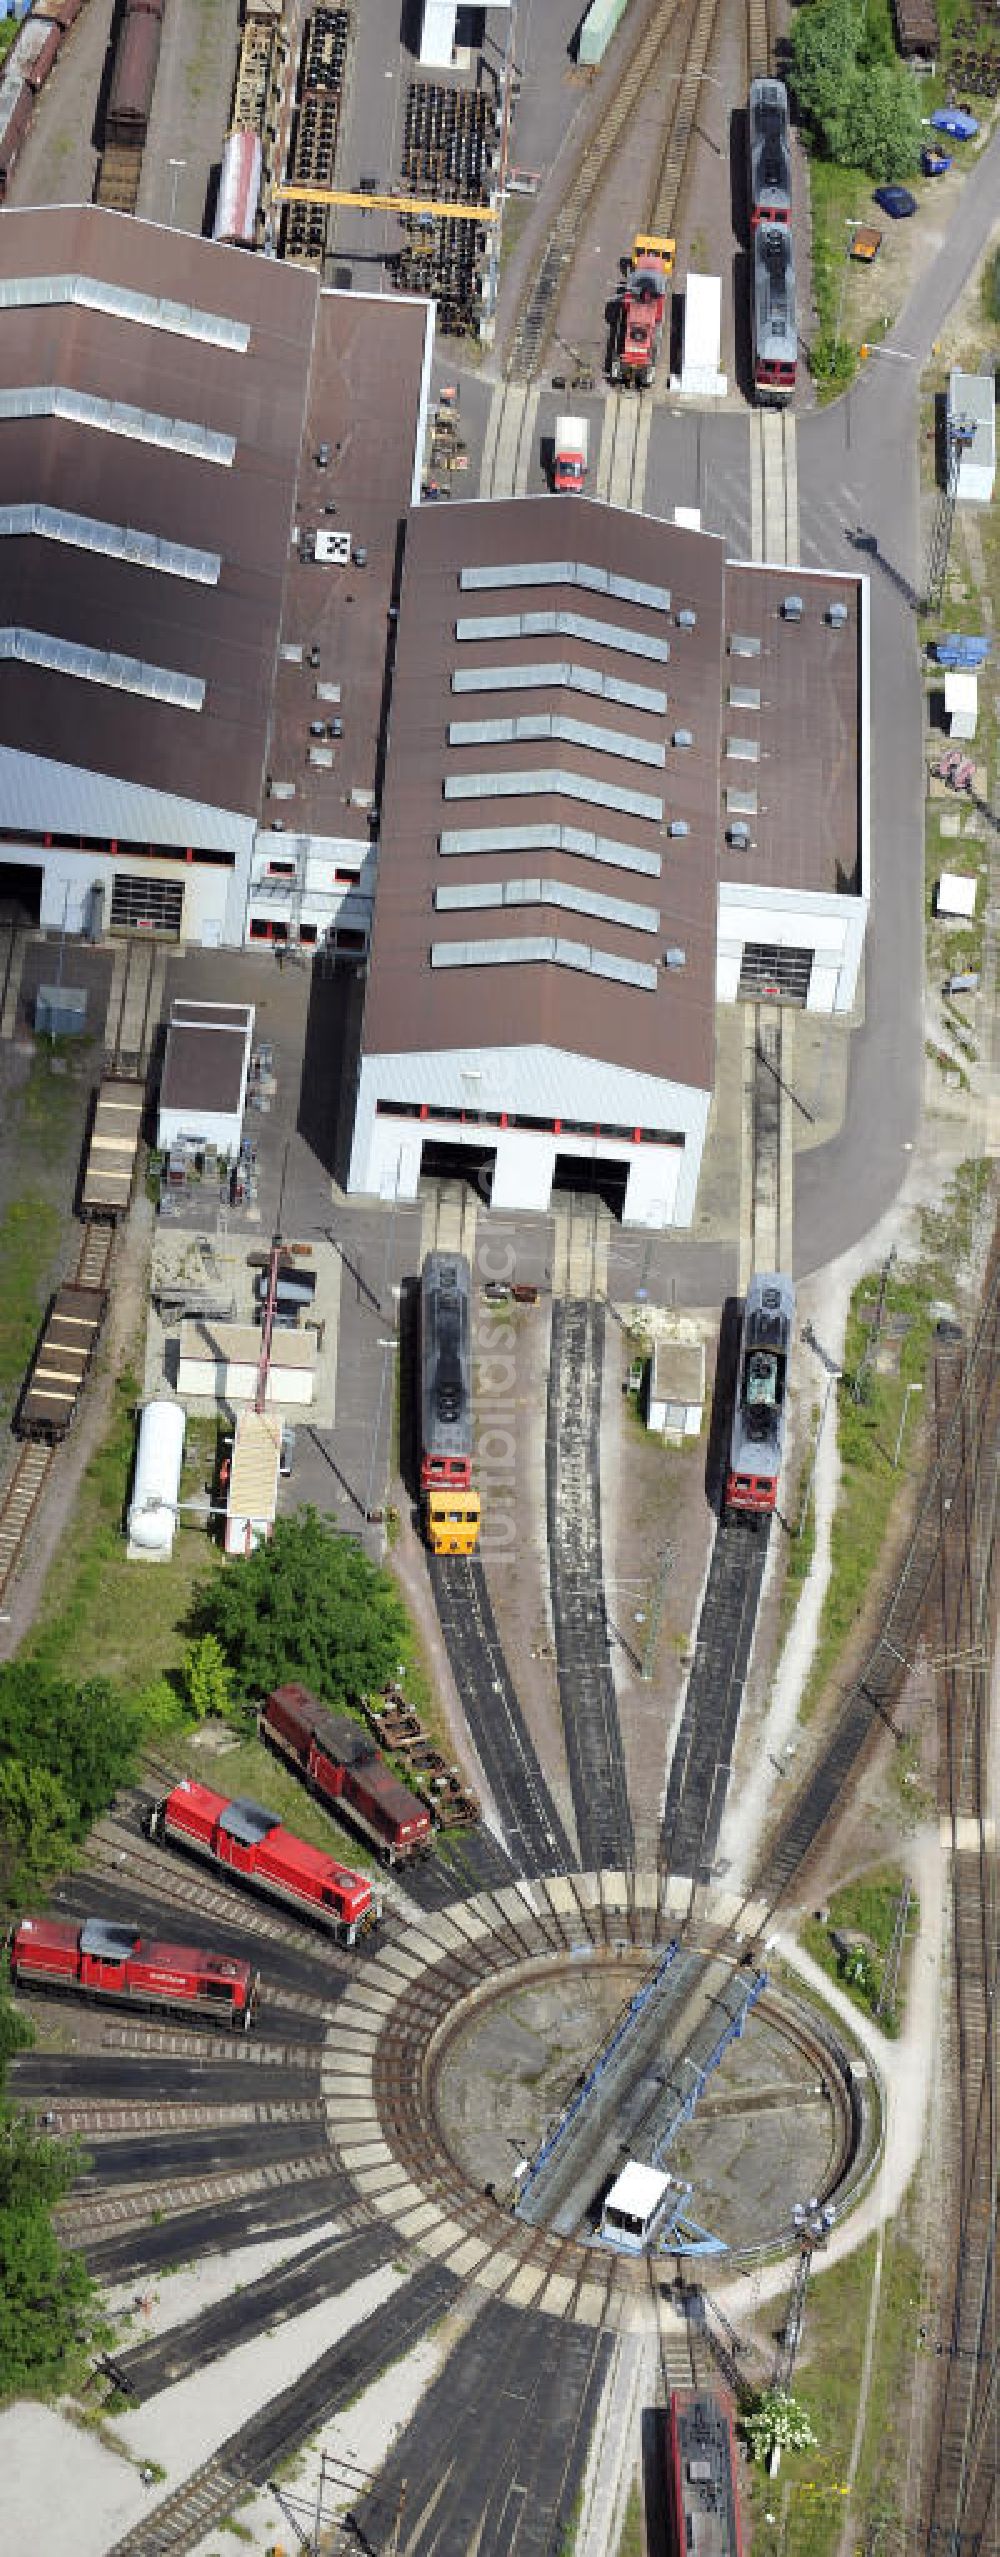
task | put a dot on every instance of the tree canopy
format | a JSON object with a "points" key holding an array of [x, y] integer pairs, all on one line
{"points": [[83, 1737], [49, 2306], [307, 1605], [858, 102]]}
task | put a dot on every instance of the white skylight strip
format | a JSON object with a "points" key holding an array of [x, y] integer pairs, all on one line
{"points": [[118, 302], [101, 666], [565, 572], [115, 417], [113, 541], [487, 894], [552, 725], [552, 783], [552, 951], [573, 839], [558, 675], [562, 625]]}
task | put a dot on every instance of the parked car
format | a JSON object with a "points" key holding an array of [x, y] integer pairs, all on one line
{"points": [[896, 201], [956, 121]]}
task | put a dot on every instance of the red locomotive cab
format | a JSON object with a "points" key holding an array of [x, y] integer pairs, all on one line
{"points": [[445, 1473], [251, 1842], [775, 377], [752, 1494]]}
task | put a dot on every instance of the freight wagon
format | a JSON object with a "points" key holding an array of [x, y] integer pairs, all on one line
{"points": [[133, 79], [114, 1143], [343, 1767], [58, 1374], [450, 1506], [758, 1433], [101, 1959], [251, 1843]]}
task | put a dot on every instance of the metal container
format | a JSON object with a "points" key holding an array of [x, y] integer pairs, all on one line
{"points": [[61, 1011]]}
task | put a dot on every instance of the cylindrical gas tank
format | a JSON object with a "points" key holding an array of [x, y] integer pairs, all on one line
{"points": [[152, 1514]]}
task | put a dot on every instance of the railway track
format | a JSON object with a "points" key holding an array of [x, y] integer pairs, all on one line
{"points": [[871, 1698], [319, 2272], [20, 1503], [959, 2506], [698, 1779], [767, 1245], [536, 317], [253, 2454], [663, 218], [758, 41], [576, 1579], [533, 1834]]}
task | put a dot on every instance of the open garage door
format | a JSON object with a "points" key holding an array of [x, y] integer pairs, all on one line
{"points": [[474, 1163], [21, 893], [772, 975], [598, 1176]]}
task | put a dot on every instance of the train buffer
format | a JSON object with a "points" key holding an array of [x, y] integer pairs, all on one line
{"points": [[643, 2086]]}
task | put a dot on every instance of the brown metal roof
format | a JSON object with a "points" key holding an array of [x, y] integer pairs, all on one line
{"points": [[343, 611], [316, 369], [668, 1032], [806, 832], [203, 1069]]}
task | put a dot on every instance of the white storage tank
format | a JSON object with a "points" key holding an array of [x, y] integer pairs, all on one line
{"points": [[152, 1514]]}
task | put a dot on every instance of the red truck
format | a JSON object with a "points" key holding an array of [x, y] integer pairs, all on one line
{"points": [[345, 1769], [249, 1841], [102, 1959]]}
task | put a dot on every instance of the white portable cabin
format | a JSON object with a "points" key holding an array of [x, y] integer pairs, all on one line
{"points": [[205, 1068], [961, 705], [634, 2208], [972, 403], [700, 378], [676, 1399], [152, 1516]]}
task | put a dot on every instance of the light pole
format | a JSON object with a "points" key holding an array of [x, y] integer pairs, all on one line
{"points": [[908, 1390], [175, 167]]}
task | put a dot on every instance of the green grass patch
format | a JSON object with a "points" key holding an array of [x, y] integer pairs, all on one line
{"points": [[869, 1407], [102, 1615], [868, 1910], [801, 2512], [29, 1240], [631, 2543]]}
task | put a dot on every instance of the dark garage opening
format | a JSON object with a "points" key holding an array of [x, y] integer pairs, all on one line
{"points": [[20, 893], [593, 1176], [474, 1163]]}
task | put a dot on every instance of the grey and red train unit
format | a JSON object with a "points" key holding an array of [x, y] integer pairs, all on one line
{"points": [[343, 1767], [769, 157], [702, 2491], [758, 1432], [774, 315], [249, 1842], [117, 1965]]}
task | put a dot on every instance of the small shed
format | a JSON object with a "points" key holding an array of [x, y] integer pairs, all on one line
{"points": [[956, 896], [676, 1389], [205, 1069], [253, 1482], [219, 1363], [961, 704], [634, 2207], [918, 34], [972, 401]]}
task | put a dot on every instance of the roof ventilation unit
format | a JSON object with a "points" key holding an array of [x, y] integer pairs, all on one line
{"points": [[675, 958], [791, 609], [678, 826], [739, 835], [683, 737], [686, 619], [836, 615]]}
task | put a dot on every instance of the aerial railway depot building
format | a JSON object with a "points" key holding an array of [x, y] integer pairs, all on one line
{"points": [[625, 780], [566, 775]]}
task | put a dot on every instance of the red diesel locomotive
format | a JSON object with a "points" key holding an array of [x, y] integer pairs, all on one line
{"points": [[100, 1959], [249, 1841], [346, 1770]]}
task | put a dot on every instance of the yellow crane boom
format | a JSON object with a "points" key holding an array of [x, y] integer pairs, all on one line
{"points": [[404, 204]]}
